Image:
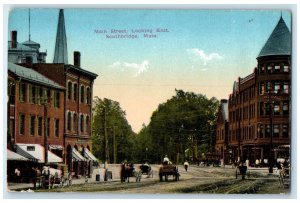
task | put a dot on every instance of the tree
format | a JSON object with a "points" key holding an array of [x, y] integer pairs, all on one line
{"points": [[186, 122], [110, 120]]}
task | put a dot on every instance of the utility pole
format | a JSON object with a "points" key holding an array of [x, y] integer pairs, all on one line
{"points": [[115, 146], [106, 153], [45, 103]]}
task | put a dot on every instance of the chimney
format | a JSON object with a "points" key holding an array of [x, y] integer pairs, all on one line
{"points": [[223, 100], [77, 59], [14, 39]]}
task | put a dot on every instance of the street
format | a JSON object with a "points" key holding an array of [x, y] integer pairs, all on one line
{"points": [[202, 180]]}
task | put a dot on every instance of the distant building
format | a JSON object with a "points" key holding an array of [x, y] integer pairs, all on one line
{"points": [[259, 106], [26, 52], [222, 132]]}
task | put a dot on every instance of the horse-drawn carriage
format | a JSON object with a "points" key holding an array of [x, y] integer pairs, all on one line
{"points": [[51, 177], [168, 169], [146, 169], [127, 171]]}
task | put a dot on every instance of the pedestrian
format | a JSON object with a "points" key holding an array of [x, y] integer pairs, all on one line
{"points": [[256, 163], [186, 165], [17, 175]]}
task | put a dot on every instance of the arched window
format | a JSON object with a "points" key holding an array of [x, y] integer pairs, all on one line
{"points": [[69, 90], [81, 123], [87, 121], [88, 95], [82, 94], [74, 122], [69, 121], [75, 91]]}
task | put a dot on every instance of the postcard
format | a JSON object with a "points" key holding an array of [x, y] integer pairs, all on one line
{"points": [[149, 101]]}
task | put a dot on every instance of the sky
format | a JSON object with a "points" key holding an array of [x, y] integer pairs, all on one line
{"points": [[203, 51]]}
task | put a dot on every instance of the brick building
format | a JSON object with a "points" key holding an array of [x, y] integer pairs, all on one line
{"points": [[29, 106], [259, 105], [59, 91]]}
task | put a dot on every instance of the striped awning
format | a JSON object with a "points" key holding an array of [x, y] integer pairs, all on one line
{"points": [[12, 156], [35, 152], [57, 147], [77, 156], [88, 155]]}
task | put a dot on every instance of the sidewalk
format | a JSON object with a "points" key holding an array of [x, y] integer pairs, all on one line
{"points": [[115, 169]]}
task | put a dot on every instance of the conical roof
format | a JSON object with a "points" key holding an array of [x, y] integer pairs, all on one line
{"points": [[279, 42]]}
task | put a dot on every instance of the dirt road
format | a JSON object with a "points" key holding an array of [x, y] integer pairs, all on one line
{"points": [[202, 180]]}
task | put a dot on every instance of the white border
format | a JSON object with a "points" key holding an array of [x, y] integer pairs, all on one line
{"points": [[213, 4]]}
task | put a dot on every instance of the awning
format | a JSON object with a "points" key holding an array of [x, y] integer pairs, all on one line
{"points": [[36, 152], [76, 155], [57, 147], [88, 155], [12, 156]]}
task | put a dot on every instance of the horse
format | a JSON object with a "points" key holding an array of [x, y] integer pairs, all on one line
{"points": [[127, 171]]}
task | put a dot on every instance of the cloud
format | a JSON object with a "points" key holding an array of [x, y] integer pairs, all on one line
{"points": [[200, 55], [135, 68]]}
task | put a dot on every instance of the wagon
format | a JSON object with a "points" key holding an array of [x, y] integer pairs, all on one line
{"points": [[166, 170], [146, 169]]}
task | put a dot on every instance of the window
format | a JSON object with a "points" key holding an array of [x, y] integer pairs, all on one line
{"points": [[262, 69], [56, 99], [22, 92], [32, 125], [69, 90], [81, 123], [40, 124], [22, 124], [277, 87], [82, 94], [11, 92], [276, 109], [30, 148], [267, 108], [268, 131], [75, 91], [87, 124], [277, 69], [286, 69], [262, 88], [285, 108], [285, 131], [268, 87], [275, 131], [74, 122], [286, 87], [88, 95], [56, 128], [32, 94], [69, 121], [269, 69]]}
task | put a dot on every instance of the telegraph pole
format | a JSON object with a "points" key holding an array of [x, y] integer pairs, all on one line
{"points": [[115, 146], [106, 153], [45, 103]]}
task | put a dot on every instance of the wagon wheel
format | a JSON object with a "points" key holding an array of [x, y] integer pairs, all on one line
{"points": [[160, 177]]}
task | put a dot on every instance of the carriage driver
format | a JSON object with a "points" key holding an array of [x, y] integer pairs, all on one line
{"points": [[166, 160]]}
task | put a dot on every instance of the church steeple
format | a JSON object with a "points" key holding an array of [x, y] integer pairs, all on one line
{"points": [[61, 52]]}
